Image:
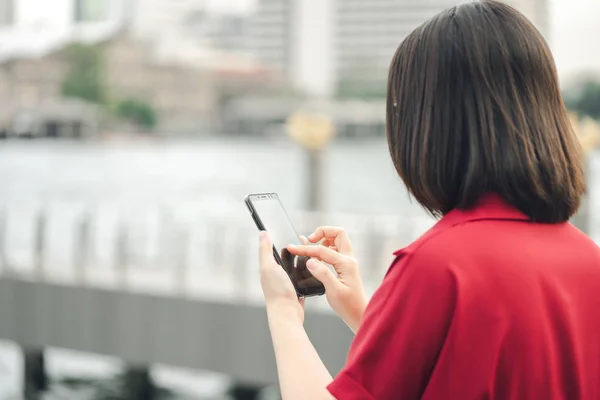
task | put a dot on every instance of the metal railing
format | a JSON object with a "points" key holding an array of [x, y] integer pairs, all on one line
{"points": [[201, 254]]}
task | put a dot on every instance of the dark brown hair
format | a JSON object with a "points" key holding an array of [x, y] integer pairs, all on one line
{"points": [[474, 107]]}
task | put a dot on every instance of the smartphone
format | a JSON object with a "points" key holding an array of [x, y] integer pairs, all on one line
{"points": [[269, 215]]}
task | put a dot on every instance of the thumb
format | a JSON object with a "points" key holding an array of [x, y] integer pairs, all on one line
{"points": [[265, 251], [323, 274]]}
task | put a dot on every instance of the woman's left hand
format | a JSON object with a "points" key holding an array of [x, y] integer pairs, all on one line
{"points": [[280, 295]]}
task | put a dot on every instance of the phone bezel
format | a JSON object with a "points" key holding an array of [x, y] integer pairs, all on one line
{"points": [[301, 292]]}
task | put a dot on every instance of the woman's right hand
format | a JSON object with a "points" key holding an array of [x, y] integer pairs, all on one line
{"points": [[345, 292]]}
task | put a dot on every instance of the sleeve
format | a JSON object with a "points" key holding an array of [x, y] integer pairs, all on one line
{"points": [[403, 331]]}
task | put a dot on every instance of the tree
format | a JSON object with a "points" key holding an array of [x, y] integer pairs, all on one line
{"points": [[361, 88], [362, 78], [137, 112], [586, 100], [85, 75], [589, 101]]}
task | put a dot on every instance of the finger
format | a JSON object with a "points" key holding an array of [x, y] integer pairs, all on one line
{"points": [[304, 240], [328, 232], [329, 243], [323, 253], [326, 243], [265, 253], [323, 274], [335, 235], [332, 246]]}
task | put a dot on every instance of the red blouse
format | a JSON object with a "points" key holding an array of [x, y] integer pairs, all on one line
{"points": [[486, 305]]}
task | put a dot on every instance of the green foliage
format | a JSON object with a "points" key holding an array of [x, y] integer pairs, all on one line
{"points": [[137, 112], [84, 78], [588, 101], [361, 88]]}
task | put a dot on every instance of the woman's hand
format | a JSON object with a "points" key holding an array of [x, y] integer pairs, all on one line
{"points": [[345, 292], [280, 296]]}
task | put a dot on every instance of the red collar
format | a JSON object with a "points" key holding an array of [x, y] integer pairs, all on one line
{"points": [[489, 207]]}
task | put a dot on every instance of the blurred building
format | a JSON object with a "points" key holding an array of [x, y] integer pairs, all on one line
{"points": [[345, 47], [91, 10], [224, 32], [368, 34], [294, 39], [7, 12], [271, 30], [151, 19], [182, 60], [31, 102], [182, 96], [189, 60], [269, 116]]}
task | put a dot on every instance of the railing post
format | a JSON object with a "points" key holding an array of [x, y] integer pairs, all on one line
{"points": [[166, 225], [122, 255], [3, 232], [181, 271], [240, 391], [241, 270], [35, 380], [82, 247], [375, 248], [138, 384], [216, 241], [315, 180], [40, 244]]}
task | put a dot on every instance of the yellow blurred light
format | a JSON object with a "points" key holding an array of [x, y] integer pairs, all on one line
{"points": [[311, 131], [588, 131]]}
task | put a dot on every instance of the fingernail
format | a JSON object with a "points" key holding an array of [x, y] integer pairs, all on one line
{"points": [[311, 264], [262, 235]]}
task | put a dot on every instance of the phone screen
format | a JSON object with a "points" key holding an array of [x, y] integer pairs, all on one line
{"points": [[276, 222]]}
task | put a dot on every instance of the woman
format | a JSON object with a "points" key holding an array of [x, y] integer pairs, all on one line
{"points": [[501, 298]]}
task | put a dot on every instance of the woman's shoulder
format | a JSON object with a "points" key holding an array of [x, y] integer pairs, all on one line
{"points": [[429, 256], [437, 246], [474, 254]]}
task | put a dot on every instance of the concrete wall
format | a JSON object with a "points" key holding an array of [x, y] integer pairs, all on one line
{"points": [[227, 338]]}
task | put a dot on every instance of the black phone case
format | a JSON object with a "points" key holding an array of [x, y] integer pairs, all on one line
{"points": [[309, 292]]}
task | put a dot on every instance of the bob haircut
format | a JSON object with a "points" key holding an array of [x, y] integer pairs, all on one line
{"points": [[474, 107]]}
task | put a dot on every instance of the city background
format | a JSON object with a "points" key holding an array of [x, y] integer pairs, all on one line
{"points": [[131, 131]]}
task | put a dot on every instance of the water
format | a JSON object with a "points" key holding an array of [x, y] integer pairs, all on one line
{"points": [[140, 181], [359, 176]]}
